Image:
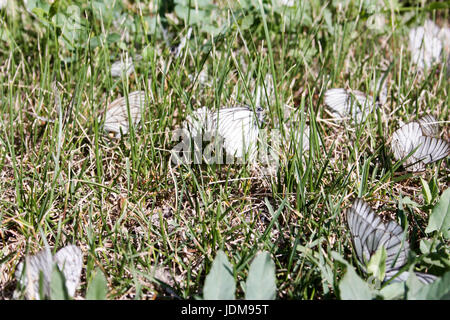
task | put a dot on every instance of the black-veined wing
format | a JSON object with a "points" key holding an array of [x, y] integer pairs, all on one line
{"points": [[346, 103], [429, 126], [403, 276], [431, 149], [410, 137], [239, 127], [370, 233]]}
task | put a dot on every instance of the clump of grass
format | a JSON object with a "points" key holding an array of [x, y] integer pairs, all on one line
{"points": [[130, 209]]}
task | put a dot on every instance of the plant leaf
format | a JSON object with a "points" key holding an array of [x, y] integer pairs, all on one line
{"points": [[219, 283], [261, 281], [393, 291], [58, 290], [377, 264], [352, 287], [440, 216], [98, 287], [438, 290]]}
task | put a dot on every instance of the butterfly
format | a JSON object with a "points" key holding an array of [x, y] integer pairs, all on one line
{"points": [[122, 66], [369, 233], [69, 261], [420, 136], [349, 103], [425, 44], [238, 126], [116, 118]]}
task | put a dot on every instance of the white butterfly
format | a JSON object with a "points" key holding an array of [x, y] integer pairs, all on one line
{"points": [[69, 261], [198, 122], [421, 135], [425, 44], [349, 103], [238, 126], [122, 66], [116, 118], [369, 233]]}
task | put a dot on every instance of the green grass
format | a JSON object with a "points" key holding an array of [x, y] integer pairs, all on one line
{"points": [[131, 210]]}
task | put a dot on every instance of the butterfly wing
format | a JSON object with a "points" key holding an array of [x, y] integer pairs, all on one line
{"points": [[362, 222], [425, 45], [349, 103], [429, 149], [198, 121], [369, 233], [429, 126], [70, 262], [362, 106], [238, 127], [425, 278], [396, 246], [403, 276], [40, 263], [432, 149], [116, 118], [405, 140], [337, 100]]}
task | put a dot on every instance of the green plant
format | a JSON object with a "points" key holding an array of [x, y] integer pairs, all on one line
{"points": [[220, 283]]}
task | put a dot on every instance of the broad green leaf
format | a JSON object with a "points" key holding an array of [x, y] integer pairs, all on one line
{"points": [[40, 4], [438, 290], [377, 264], [98, 287], [261, 281], [58, 290], [219, 283], [352, 287], [194, 16], [247, 22], [425, 246], [113, 37], [393, 291], [440, 216], [413, 284]]}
